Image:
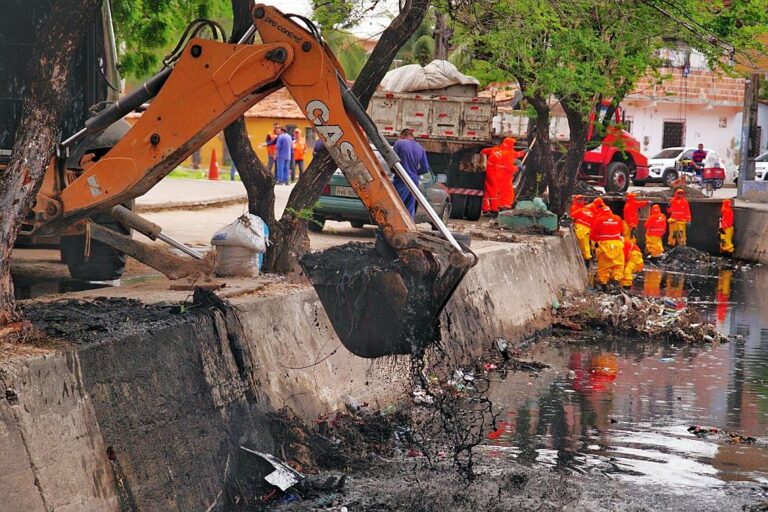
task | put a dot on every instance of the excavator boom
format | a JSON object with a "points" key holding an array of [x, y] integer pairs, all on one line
{"points": [[373, 308]]}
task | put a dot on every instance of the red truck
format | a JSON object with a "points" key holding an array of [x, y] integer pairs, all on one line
{"points": [[617, 158]]}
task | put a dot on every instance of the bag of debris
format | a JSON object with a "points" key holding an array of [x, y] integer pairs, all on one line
{"points": [[241, 246]]}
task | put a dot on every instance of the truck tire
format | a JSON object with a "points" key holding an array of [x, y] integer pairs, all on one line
{"points": [[474, 207], [459, 206], [103, 263], [617, 177]]}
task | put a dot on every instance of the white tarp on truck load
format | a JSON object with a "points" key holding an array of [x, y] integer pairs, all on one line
{"points": [[437, 74]]}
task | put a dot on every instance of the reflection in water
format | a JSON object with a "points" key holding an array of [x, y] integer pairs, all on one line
{"points": [[623, 407]]}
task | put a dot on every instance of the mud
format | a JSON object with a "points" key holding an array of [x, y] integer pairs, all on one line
{"points": [[693, 260], [377, 305], [95, 321]]}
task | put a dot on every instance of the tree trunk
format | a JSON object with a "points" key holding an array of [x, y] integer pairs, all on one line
{"points": [[46, 101], [290, 240], [257, 179], [442, 35], [545, 159], [577, 124]]}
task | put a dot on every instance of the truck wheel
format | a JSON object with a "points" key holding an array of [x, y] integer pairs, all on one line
{"points": [[445, 214], [617, 177], [317, 224], [474, 207], [669, 176], [103, 263], [459, 206]]}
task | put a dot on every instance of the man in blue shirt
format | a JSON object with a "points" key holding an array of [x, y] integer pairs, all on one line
{"points": [[413, 157], [283, 152]]}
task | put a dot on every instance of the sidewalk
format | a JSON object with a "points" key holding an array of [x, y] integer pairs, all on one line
{"points": [[174, 194]]}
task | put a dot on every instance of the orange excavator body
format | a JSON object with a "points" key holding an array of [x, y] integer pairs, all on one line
{"points": [[211, 85]]}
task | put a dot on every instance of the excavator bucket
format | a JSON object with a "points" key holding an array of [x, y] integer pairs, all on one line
{"points": [[377, 305]]}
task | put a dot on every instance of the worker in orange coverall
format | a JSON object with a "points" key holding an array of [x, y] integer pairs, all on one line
{"points": [[493, 162], [632, 215], [679, 217], [583, 219], [506, 173], [577, 201], [633, 262], [655, 227], [726, 228], [606, 232]]}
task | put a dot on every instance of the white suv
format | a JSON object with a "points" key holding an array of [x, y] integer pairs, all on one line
{"points": [[663, 166]]}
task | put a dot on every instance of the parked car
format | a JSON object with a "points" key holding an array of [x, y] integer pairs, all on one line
{"points": [[761, 169], [339, 201], [663, 167]]}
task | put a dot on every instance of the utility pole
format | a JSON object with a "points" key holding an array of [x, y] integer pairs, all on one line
{"points": [[748, 148]]}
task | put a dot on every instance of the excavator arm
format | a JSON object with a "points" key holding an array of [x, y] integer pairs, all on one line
{"points": [[210, 86]]}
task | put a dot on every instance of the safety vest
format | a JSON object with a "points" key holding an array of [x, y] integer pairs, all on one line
{"points": [[679, 209], [607, 227], [585, 216], [656, 224]]}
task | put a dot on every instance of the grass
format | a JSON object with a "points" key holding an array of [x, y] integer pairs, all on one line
{"points": [[186, 173]]}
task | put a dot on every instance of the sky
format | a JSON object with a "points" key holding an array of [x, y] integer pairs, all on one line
{"points": [[373, 26]]}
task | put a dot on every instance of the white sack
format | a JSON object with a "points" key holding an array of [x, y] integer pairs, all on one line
{"points": [[435, 75], [239, 245]]}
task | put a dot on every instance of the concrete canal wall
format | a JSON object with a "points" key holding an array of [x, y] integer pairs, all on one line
{"points": [[153, 419]]}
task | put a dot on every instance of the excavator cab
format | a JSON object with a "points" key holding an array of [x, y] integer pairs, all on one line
{"points": [[383, 299]]}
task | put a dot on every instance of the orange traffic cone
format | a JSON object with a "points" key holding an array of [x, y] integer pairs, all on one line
{"points": [[213, 168]]}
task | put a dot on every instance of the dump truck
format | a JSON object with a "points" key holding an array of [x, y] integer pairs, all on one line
{"points": [[389, 307], [454, 125]]}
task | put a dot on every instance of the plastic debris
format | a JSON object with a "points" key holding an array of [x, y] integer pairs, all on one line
{"points": [[652, 317], [420, 397], [283, 477], [667, 360]]}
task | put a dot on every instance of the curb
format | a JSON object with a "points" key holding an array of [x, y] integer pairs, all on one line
{"points": [[190, 205]]}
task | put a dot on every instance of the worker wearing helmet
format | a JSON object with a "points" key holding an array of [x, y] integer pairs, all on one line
{"points": [[726, 228], [583, 218], [655, 227], [679, 218], [493, 160], [632, 215], [506, 173], [633, 262], [606, 232]]}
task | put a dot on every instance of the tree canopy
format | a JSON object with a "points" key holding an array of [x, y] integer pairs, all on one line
{"points": [[146, 29]]}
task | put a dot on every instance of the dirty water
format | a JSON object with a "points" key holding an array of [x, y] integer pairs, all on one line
{"points": [[621, 408]]}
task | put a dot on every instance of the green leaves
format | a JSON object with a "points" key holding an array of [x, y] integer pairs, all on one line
{"points": [[147, 29]]}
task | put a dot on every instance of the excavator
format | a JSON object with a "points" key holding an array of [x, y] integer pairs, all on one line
{"points": [[388, 307]]}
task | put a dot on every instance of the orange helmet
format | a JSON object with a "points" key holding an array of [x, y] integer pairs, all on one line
{"points": [[630, 196], [598, 202], [726, 205], [679, 192], [655, 209]]}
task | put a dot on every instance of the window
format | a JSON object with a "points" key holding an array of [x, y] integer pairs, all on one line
{"points": [[687, 155], [673, 134]]}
